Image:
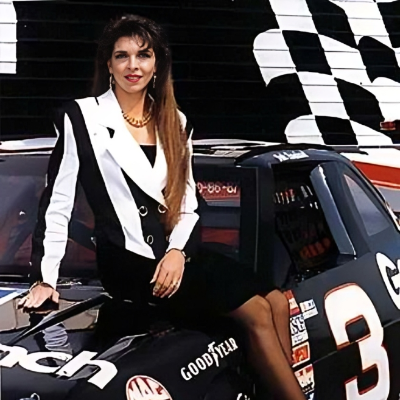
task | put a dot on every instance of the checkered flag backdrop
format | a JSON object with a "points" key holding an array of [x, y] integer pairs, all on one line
{"points": [[8, 37], [337, 69]]}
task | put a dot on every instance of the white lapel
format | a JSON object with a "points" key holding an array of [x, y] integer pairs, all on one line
{"points": [[127, 152]]}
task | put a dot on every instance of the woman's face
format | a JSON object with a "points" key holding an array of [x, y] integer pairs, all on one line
{"points": [[132, 66]]}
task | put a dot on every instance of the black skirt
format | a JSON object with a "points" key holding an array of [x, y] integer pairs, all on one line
{"points": [[212, 284]]}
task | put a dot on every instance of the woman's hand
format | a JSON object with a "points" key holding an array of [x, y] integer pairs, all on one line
{"points": [[168, 274], [38, 295]]}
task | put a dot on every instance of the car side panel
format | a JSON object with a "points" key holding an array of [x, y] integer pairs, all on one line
{"points": [[336, 362]]}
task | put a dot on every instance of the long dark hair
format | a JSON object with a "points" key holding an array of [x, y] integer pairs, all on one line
{"points": [[172, 135]]}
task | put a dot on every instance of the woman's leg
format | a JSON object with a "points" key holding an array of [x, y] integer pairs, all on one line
{"points": [[280, 315], [264, 349]]}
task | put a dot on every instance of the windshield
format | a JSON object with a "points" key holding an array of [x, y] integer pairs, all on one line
{"points": [[22, 180]]}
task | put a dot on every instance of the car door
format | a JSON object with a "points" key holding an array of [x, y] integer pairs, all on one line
{"points": [[344, 314]]}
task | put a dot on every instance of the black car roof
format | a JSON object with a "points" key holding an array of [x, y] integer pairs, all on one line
{"points": [[236, 152], [213, 151]]}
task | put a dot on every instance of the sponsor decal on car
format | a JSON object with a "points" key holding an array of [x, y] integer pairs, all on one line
{"points": [[390, 272], [16, 355], [219, 190], [293, 306], [301, 354], [298, 329], [141, 387], [290, 155], [213, 356], [305, 376], [309, 309]]}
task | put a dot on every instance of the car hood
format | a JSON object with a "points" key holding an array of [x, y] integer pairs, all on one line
{"points": [[61, 354]]}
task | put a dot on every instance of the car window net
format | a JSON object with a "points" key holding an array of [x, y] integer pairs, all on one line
{"points": [[301, 225]]}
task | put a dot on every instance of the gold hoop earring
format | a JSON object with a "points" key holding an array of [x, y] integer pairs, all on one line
{"points": [[112, 81], [154, 81]]}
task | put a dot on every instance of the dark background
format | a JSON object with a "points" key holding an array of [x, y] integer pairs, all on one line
{"points": [[217, 80]]}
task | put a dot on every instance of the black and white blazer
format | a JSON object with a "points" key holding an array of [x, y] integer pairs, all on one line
{"points": [[95, 148]]}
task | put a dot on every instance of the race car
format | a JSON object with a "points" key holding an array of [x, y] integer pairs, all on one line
{"points": [[301, 216]]}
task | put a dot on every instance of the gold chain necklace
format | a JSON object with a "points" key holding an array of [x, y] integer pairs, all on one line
{"points": [[139, 123]]}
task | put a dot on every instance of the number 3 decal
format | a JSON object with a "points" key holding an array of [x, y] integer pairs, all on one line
{"points": [[348, 304]]}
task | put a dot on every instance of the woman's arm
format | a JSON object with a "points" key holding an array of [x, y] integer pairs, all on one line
{"points": [[183, 241], [180, 237], [51, 231]]}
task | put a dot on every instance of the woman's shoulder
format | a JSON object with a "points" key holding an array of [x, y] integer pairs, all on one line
{"points": [[182, 118], [76, 107], [185, 123], [73, 108], [72, 104]]}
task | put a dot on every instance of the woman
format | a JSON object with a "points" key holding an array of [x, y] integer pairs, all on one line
{"points": [[130, 148]]}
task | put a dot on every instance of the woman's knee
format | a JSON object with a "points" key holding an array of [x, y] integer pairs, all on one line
{"points": [[255, 314], [279, 303]]}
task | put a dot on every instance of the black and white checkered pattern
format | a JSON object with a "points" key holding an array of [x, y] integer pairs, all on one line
{"points": [[8, 37], [345, 60]]}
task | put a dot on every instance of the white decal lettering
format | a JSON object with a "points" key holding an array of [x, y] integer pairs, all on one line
{"points": [[348, 304], [213, 357], [233, 343], [290, 155], [101, 378], [30, 362], [211, 350], [222, 346], [13, 355], [193, 369], [218, 348], [10, 356], [201, 364], [185, 375], [207, 358], [391, 276]]}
